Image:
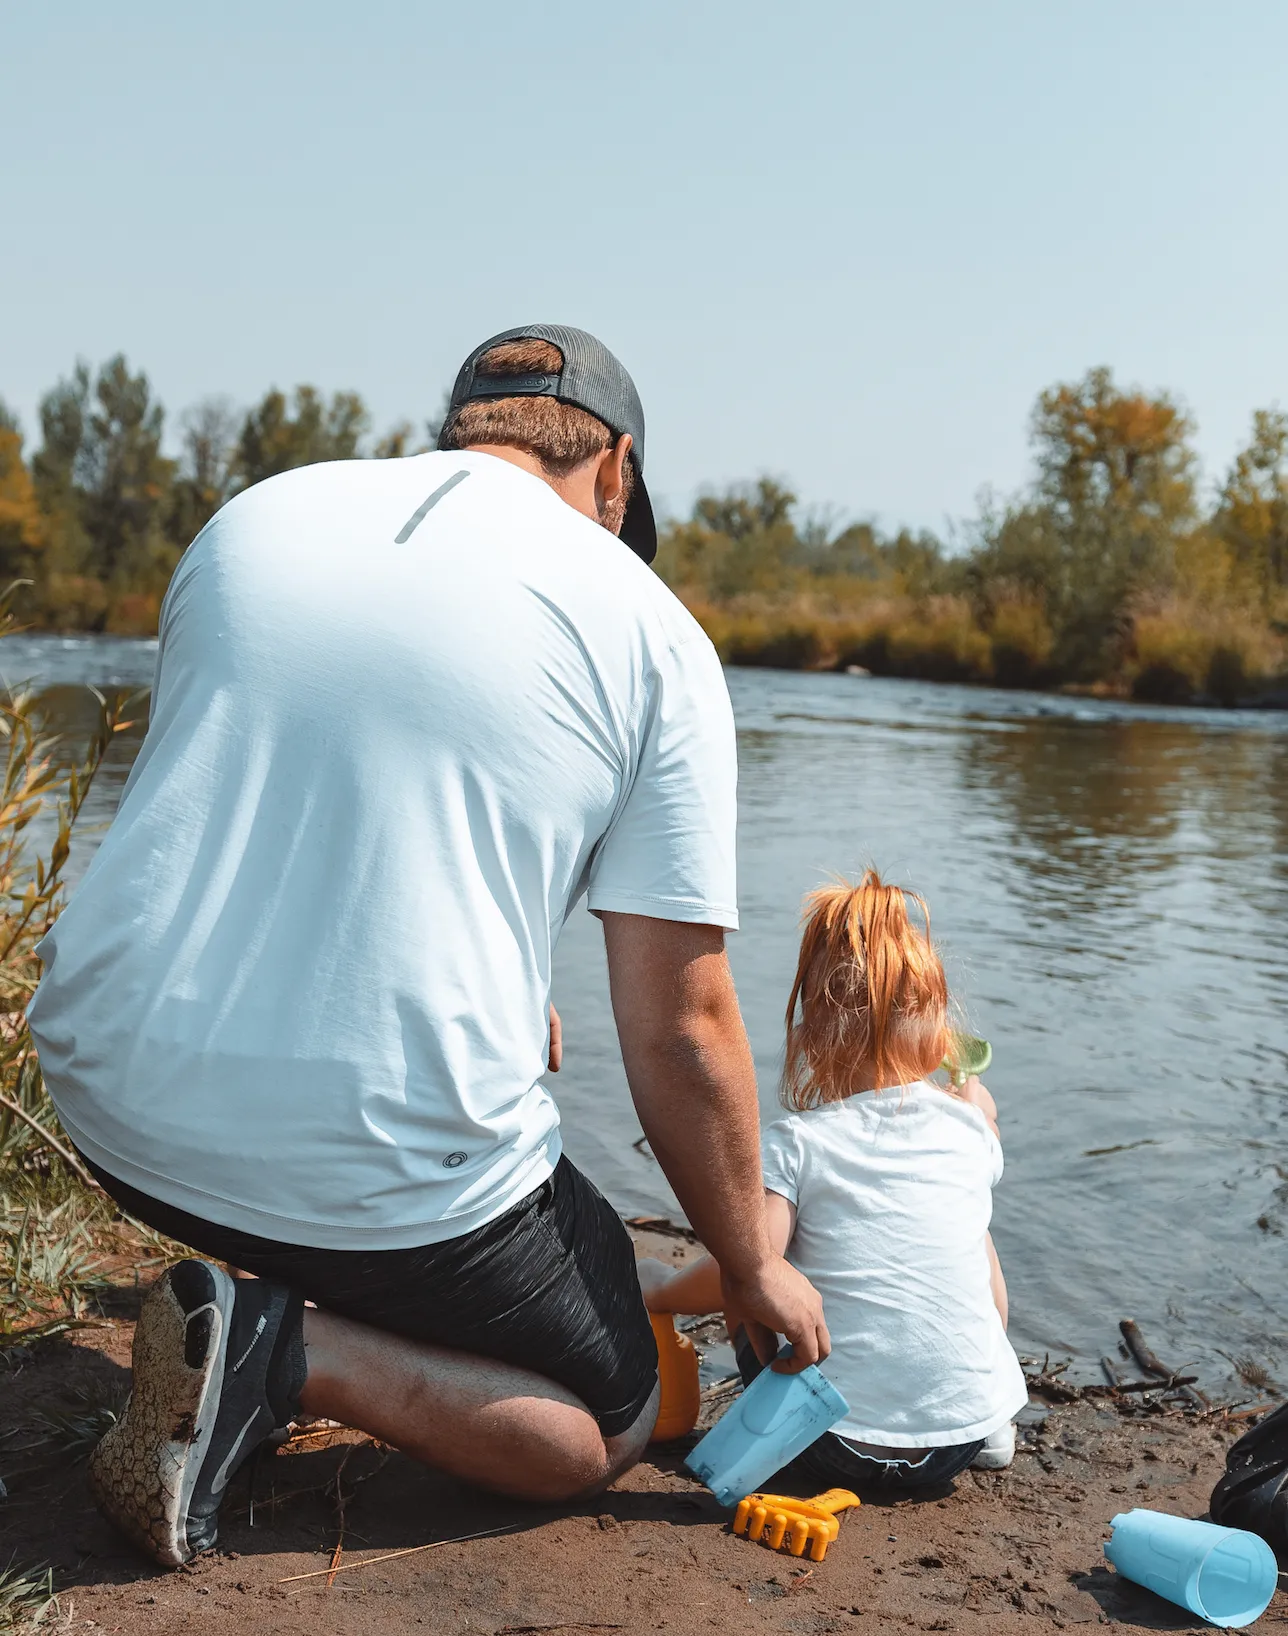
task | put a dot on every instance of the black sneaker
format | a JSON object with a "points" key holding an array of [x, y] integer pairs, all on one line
{"points": [[210, 1357]]}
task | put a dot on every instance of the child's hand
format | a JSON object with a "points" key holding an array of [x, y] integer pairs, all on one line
{"points": [[979, 1096]]}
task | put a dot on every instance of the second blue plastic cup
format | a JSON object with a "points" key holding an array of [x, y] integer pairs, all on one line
{"points": [[1225, 1575]]}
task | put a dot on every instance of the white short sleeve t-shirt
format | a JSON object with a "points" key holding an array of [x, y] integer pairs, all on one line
{"points": [[407, 713], [893, 1196]]}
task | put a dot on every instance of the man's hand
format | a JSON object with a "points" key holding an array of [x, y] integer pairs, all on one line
{"points": [[556, 1042], [778, 1300]]}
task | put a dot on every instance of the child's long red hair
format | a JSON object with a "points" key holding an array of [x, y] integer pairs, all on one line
{"points": [[869, 1006]]}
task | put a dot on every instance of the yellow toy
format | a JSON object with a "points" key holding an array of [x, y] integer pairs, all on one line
{"points": [[677, 1367], [778, 1518]]}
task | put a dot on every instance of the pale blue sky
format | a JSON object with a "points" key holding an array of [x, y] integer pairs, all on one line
{"points": [[843, 243]]}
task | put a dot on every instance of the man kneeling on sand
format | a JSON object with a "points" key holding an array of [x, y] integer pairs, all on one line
{"points": [[406, 713]]}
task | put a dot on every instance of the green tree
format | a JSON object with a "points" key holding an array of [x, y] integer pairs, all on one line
{"points": [[277, 436], [857, 551], [1252, 514], [208, 446], [58, 468], [746, 513], [1113, 500], [915, 562], [737, 542], [22, 528], [748, 541], [104, 486], [126, 483]]}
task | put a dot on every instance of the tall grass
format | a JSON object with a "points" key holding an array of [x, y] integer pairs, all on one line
{"points": [[28, 1603], [53, 1221]]}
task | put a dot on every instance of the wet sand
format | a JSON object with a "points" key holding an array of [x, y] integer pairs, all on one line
{"points": [[1014, 1551]]}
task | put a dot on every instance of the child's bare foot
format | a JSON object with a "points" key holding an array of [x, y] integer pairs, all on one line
{"points": [[654, 1277]]}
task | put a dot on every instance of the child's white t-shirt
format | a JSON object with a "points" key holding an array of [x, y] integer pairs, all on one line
{"points": [[893, 1193]]}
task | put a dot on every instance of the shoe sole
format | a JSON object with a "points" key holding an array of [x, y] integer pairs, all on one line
{"points": [[144, 1469]]}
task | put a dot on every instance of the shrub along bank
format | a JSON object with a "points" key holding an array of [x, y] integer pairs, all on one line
{"points": [[1107, 574]]}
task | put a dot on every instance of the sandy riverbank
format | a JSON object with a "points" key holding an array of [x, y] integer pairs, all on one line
{"points": [[1014, 1551]]}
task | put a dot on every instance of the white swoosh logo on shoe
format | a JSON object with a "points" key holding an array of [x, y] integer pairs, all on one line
{"points": [[219, 1482]]}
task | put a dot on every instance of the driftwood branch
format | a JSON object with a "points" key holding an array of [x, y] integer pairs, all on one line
{"points": [[1150, 1364], [1142, 1354]]}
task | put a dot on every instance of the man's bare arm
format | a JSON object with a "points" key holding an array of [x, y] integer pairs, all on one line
{"points": [[691, 1076]]}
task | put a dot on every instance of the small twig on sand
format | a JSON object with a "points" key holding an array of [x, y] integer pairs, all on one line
{"points": [[571, 1624], [800, 1580], [339, 1508], [1248, 1411], [371, 1561]]}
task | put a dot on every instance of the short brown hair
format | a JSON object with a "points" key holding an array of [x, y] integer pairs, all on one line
{"points": [[561, 436]]}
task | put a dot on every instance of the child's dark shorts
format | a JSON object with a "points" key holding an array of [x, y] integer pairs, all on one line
{"points": [[549, 1286], [831, 1462]]}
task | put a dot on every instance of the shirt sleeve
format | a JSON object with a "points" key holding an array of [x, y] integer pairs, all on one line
{"points": [[780, 1160], [670, 852]]}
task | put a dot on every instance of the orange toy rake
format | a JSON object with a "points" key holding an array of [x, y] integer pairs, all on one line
{"points": [[780, 1520]]}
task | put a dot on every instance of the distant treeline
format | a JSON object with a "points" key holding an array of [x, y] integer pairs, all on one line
{"points": [[1111, 572]]}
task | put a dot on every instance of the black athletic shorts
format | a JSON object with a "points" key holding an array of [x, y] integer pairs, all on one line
{"points": [[550, 1286]]}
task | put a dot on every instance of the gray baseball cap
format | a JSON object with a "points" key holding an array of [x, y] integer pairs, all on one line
{"points": [[591, 379]]}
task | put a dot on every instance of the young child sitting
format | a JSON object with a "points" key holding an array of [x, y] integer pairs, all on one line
{"points": [[879, 1189]]}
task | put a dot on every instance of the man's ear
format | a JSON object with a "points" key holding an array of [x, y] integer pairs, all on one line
{"points": [[611, 476]]}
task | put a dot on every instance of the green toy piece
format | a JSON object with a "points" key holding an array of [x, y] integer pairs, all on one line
{"points": [[967, 1055]]}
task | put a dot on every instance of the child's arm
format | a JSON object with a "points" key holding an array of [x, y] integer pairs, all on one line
{"points": [[979, 1096], [998, 1283], [691, 1289], [696, 1288]]}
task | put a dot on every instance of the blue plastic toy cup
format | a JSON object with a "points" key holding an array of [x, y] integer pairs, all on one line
{"points": [[774, 1420], [1225, 1575]]}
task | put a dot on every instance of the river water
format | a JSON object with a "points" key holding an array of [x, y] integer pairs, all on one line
{"points": [[1109, 885]]}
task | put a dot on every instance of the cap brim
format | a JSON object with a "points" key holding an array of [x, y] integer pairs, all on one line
{"points": [[639, 530]]}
